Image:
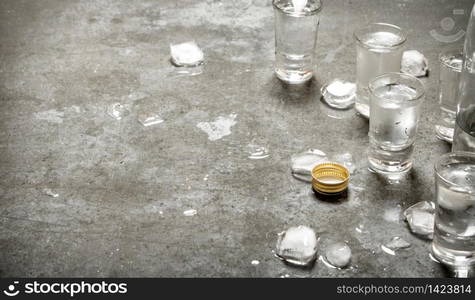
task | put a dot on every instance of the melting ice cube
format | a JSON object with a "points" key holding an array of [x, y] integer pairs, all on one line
{"points": [[338, 255], [414, 63], [297, 245], [339, 94], [186, 54], [117, 111], [303, 163], [420, 218], [395, 244]]}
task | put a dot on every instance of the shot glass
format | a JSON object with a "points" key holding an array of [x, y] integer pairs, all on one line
{"points": [[450, 70], [379, 48], [454, 231], [394, 114], [296, 28]]}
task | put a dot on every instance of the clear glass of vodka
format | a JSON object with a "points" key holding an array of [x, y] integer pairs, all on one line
{"points": [[395, 101], [296, 28], [454, 231], [379, 48], [450, 69]]}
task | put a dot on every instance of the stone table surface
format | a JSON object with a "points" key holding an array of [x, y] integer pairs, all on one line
{"points": [[122, 188]]}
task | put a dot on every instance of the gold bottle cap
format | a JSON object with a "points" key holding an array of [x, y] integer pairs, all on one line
{"points": [[330, 178]]}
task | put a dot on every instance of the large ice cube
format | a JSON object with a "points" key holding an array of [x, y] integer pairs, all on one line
{"points": [[297, 245], [186, 54], [420, 218], [338, 255], [414, 63]]}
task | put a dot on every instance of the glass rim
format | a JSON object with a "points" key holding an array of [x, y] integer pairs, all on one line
{"points": [[444, 158], [392, 46], [301, 13], [420, 92]]}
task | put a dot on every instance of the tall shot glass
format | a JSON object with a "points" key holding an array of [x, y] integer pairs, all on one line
{"points": [[379, 48], [450, 70], [296, 28], [394, 114], [454, 231]]}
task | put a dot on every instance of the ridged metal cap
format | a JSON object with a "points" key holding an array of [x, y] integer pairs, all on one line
{"points": [[330, 178]]}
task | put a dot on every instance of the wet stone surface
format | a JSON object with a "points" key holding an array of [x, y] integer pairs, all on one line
{"points": [[123, 187]]}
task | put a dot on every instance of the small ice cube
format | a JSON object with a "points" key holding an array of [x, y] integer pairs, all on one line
{"points": [[186, 54], [299, 5], [339, 94], [190, 212], [338, 255], [117, 111], [420, 218], [303, 163], [395, 244], [149, 119], [50, 193], [297, 245], [414, 63]]}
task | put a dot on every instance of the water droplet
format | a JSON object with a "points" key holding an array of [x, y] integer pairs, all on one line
{"points": [[190, 212], [257, 152], [255, 262], [117, 111], [50, 193], [149, 119]]}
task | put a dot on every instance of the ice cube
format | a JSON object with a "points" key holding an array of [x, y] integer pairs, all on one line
{"points": [[117, 111], [299, 5], [395, 244], [420, 218], [149, 119], [338, 255], [454, 199], [339, 94], [297, 245], [303, 163], [186, 54], [414, 63]]}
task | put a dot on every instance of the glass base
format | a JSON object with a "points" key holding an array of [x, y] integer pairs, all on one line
{"points": [[293, 77], [444, 133], [390, 162], [362, 109], [454, 258]]}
